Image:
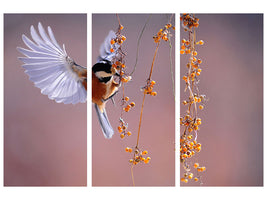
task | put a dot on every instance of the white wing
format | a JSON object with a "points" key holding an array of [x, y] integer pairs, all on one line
{"points": [[104, 51], [50, 68]]}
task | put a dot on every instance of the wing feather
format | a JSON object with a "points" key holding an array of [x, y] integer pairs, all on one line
{"points": [[50, 68]]}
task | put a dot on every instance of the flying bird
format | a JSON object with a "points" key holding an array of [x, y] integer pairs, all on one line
{"points": [[60, 78]]}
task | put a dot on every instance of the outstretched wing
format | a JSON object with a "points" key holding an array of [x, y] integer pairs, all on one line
{"points": [[51, 69], [104, 51]]}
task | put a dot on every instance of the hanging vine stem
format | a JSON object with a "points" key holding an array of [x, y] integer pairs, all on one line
{"points": [[138, 156]]}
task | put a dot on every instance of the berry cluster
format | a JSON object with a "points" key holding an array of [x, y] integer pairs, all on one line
{"points": [[189, 145], [138, 156], [189, 21], [163, 33], [123, 129], [148, 89]]}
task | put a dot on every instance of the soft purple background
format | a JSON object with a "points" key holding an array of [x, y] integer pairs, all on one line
{"points": [[44, 142], [232, 78], [110, 166]]}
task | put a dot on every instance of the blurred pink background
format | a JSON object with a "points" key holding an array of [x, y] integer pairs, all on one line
{"points": [[232, 78], [44, 142], [110, 162]]}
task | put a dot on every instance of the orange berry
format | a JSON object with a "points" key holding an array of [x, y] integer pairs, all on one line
{"points": [[182, 47], [154, 93], [198, 73], [195, 179], [201, 107], [190, 176], [196, 165], [183, 40], [129, 133], [194, 53], [182, 51], [111, 50], [199, 70], [126, 109], [132, 104], [153, 82], [126, 98], [185, 78], [123, 65], [144, 152], [112, 42], [187, 51], [122, 136], [121, 27], [184, 180], [124, 80], [201, 42], [123, 37], [119, 129], [199, 61]]}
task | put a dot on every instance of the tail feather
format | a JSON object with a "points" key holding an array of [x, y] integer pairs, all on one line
{"points": [[104, 122]]}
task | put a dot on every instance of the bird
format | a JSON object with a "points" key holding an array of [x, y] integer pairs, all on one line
{"points": [[104, 87], [60, 78], [51, 69]]}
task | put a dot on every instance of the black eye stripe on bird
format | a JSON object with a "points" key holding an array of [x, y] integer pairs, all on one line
{"points": [[103, 85], [51, 69]]}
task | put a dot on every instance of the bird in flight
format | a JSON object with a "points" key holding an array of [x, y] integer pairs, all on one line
{"points": [[60, 78]]}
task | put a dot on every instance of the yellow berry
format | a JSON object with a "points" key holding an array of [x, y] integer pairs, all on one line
{"points": [[129, 133], [195, 179], [122, 136], [194, 53], [201, 107]]}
